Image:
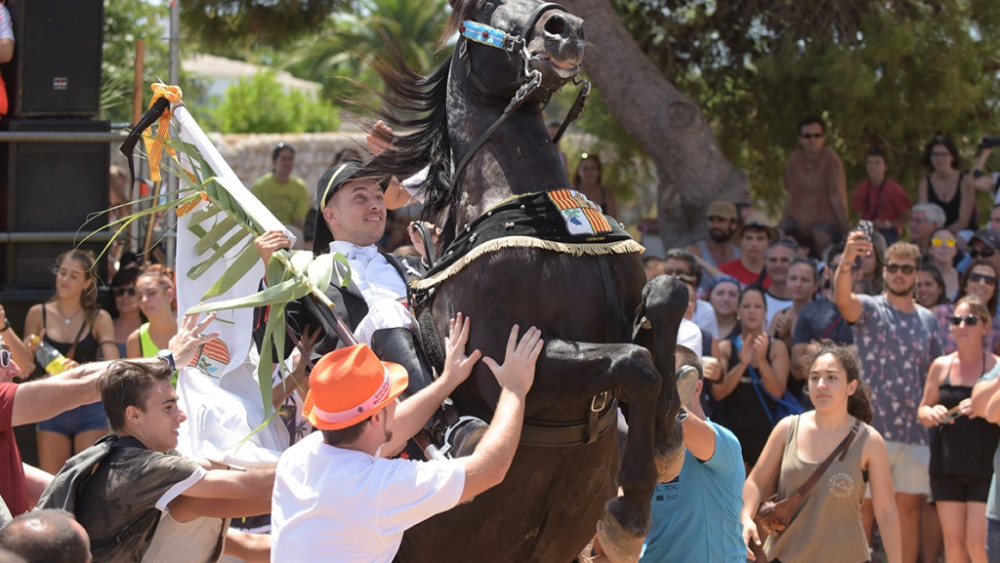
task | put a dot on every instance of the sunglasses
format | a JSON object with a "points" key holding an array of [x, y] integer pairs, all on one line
{"points": [[938, 241], [677, 272], [895, 268], [985, 253], [5, 358], [811, 135], [119, 291], [970, 320], [983, 278]]}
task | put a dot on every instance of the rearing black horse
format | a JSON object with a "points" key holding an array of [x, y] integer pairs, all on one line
{"points": [[519, 248]]}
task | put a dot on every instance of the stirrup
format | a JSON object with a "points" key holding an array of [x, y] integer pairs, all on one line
{"points": [[461, 438]]}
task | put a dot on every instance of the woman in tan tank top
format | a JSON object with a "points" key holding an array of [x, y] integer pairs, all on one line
{"points": [[827, 527]]}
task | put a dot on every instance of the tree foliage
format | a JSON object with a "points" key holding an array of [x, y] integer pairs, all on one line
{"points": [[237, 25], [260, 105], [341, 54], [125, 22], [890, 74]]}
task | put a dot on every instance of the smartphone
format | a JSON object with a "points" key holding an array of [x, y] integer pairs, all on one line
{"points": [[867, 228], [952, 414]]}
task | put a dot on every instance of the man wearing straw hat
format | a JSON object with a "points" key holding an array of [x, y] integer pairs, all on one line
{"points": [[337, 498]]}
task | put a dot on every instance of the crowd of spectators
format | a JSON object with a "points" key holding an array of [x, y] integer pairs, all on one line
{"points": [[789, 327]]}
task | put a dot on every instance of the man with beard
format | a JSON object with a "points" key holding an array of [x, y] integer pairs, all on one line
{"points": [[338, 497], [897, 340], [720, 246]]}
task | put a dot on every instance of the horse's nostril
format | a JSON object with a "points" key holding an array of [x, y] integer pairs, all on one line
{"points": [[555, 26]]}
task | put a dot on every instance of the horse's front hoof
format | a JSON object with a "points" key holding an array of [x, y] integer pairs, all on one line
{"points": [[669, 464], [619, 544]]}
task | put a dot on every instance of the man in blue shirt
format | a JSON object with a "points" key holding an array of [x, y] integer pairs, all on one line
{"points": [[696, 517]]}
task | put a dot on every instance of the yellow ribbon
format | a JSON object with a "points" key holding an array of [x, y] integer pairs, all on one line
{"points": [[155, 143]]}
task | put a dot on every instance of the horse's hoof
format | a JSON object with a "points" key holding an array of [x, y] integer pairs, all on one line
{"points": [[687, 381], [619, 544], [668, 465]]}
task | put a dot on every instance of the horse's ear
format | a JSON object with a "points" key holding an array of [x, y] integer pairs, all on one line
{"points": [[460, 11]]}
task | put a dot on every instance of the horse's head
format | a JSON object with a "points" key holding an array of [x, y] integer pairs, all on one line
{"points": [[506, 41]]}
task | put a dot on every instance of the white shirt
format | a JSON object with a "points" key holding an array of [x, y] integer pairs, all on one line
{"points": [[6, 27], [375, 277], [704, 317], [774, 306], [689, 335], [345, 506]]}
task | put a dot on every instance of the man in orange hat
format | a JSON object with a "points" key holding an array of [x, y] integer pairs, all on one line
{"points": [[335, 496]]}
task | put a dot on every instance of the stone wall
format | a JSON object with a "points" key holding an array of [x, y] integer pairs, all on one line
{"points": [[249, 155]]}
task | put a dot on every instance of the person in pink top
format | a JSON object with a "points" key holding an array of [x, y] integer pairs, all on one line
{"points": [[880, 199]]}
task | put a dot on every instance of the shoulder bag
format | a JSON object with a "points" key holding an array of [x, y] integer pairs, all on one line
{"points": [[774, 514]]}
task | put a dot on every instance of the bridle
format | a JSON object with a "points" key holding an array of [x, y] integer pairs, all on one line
{"points": [[513, 44]]}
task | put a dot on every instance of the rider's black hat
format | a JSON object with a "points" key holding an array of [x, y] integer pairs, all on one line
{"points": [[331, 181]]}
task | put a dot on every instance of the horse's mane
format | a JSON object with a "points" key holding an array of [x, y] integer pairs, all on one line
{"points": [[416, 103]]}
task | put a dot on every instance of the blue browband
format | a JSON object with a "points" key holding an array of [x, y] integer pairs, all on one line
{"points": [[482, 33], [487, 35]]}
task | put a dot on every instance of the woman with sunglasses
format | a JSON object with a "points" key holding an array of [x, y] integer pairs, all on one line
{"points": [[962, 445], [979, 280], [155, 286], [755, 371], [587, 180], [124, 306], [72, 323], [947, 186], [942, 253]]}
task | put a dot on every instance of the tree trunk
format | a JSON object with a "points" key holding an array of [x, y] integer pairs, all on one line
{"points": [[692, 170]]}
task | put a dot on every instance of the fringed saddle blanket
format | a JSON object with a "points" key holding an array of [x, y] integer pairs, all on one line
{"points": [[559, 220]]}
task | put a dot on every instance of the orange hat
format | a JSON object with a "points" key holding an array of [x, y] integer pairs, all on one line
{"points": [[347, 385]]}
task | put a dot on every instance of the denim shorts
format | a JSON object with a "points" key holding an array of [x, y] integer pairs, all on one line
{"points": [[993, 540], [76, 421]]}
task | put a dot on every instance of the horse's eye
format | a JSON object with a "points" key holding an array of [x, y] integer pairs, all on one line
{"points": [[488, 7]]}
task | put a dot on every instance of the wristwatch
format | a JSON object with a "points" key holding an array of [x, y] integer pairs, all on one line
{"points": [[168, 356]]}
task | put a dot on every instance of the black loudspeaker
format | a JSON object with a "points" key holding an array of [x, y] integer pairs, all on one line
{"points": [[56, 69], [49, 188]]}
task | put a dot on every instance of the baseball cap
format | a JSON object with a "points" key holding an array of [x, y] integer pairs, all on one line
{"points": [[989, 237], [349, 384], [723, 210]]}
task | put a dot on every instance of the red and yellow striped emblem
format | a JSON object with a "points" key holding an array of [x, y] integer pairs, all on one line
{"points": [[565, 200]]}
